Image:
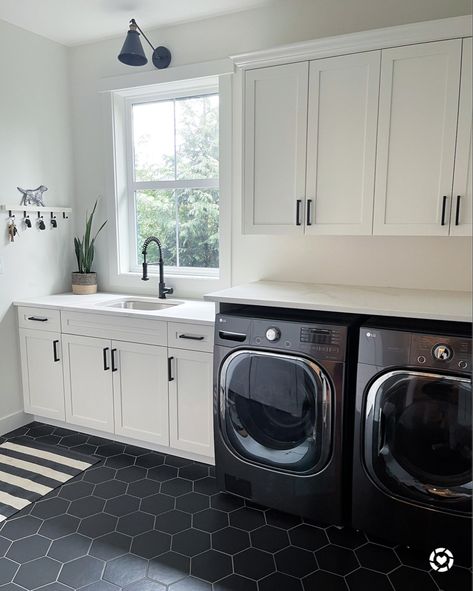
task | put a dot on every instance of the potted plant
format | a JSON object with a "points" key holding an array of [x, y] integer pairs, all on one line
{"points": [[84, 281]]}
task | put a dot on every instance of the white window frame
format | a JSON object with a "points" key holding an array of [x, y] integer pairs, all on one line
{"points": [[133, 186], [123, 275]]}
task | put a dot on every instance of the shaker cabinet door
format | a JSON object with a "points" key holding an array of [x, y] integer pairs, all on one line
{"points": [[190, 401], [341, 143], [140, 388], [88, 382], [41, 367], [460, 224], [274, 160], [418, 110]]}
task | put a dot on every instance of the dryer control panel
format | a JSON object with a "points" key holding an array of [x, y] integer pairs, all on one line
{"points": [[441, 352]]}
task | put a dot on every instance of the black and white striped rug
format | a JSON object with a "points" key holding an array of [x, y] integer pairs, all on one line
{"points": [[30, 470]]}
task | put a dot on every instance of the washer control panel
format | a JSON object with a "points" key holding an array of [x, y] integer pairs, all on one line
{"points": [[441, 352], [316, 340]]}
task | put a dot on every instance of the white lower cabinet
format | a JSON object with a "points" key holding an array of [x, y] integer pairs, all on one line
{"points": [[144, 391], [41, 367], [190, 401], [140, 391], [87, 382]]}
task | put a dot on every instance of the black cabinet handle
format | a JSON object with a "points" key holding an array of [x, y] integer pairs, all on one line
{"points": [[38, 318], [298, 212], [106, 367], [170, 376], [444, 209], [309, 212], [457, 211], [191, 337], [55, 353], [114, 366]]}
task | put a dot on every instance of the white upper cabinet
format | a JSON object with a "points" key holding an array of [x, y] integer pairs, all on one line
{"points": [[275, 126], [341, 143], [418, 108], [460, 224]]}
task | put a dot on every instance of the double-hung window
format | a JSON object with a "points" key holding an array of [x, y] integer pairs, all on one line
{"points": [[173, 179]]}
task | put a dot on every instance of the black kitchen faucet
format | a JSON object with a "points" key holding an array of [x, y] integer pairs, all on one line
{"points": [[163, 290]]}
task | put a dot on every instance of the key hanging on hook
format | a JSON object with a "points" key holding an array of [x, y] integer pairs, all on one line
{"points": [[26, 220], [53, 220], [12, 229]]}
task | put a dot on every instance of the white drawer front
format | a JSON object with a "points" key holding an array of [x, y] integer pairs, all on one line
{"points": [[120, 328], [39, 318], [194, 337]]}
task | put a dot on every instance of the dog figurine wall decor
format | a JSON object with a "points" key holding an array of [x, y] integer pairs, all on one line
{"points": [[33, 196]]}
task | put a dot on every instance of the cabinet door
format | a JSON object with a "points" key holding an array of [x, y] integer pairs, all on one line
{"points": [[275, 113], [190, 401], [341, 143], [460, 224], [140, 389], [88, 382], [416, 138], [41, 367]]}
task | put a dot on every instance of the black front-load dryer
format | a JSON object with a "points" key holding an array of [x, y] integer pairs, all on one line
{"points": [[412, 480], [278, 409]]}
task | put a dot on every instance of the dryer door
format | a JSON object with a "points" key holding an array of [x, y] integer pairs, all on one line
{"points": [[417, 437], [275, 410]]}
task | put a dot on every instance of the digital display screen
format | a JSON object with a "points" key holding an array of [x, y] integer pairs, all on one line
{"points": [[316, 335]]}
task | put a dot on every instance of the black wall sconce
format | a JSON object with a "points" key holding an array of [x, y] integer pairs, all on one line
{"points": [[132, 53]]}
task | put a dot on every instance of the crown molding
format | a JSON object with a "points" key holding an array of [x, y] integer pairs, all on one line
{"points": [[422, 32]]}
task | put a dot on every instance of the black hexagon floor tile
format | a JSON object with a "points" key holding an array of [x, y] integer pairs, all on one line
{"points": [[211, 566], [230, 540], [269, 538], [143, 521], [254, 564]]}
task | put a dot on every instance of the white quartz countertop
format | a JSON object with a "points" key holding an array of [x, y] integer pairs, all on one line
{"points": [[195, 311], [377, 301]]}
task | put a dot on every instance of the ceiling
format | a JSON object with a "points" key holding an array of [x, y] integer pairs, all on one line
{"points": [[73, 22]]}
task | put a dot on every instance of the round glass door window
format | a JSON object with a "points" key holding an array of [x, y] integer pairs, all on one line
{"points": [[276, 410], [418, 437]]}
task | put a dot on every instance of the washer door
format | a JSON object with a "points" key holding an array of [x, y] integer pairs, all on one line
{"points": [[275, 410], [417, 437]]}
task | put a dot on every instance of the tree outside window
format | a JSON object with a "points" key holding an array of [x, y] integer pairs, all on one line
{"points": [[176, 179]]}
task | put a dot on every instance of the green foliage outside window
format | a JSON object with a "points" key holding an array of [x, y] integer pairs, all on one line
{"points": [[186, 220]]}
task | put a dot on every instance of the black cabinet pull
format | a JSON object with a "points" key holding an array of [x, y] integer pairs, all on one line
{"points": [[114, 366], [191, 337], [106, 367], [170, 376], [309, 212], [298, 212], [55, 353], [457, 211], [38, 318], [444, 209]]}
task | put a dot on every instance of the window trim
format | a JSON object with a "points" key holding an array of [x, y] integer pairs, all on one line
{"points": [[119, 278], [192, 90]]}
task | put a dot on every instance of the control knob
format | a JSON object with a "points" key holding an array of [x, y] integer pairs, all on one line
{"points": [[442, 352], [273, 334]]}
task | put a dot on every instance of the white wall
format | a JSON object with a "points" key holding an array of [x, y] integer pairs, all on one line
{"points": [[35, 148], [437, 263]]}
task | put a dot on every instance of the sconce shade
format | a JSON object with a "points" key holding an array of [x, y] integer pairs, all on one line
{"points": [[132, 53]]}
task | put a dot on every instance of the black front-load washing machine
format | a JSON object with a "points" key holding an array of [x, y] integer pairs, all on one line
{"points": [[412, 479], [278, 410]]}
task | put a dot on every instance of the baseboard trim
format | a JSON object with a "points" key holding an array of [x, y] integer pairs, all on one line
{"points": [[128, 440], [14, 421]]}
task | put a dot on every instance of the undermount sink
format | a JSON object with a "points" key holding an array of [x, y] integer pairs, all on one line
{"points": [[136, 304]]}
